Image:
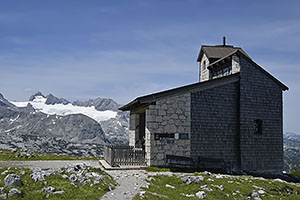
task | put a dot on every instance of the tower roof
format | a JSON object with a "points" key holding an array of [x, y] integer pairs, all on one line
{"points": [[218, 51]]}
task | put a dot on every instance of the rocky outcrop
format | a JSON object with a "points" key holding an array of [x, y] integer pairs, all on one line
{"points": [[100, 104], [32, 97], [25, 128], [51, 100], [12, 180], [29, 128], [4, 102], [192, 179], [116, 129], [14, 192]]}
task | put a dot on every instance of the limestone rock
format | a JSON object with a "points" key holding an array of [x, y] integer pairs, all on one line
{"points": [[59, 192], [192, 179], [37, 176], [14, 192], [73, 178], [220, 187], [170, 186], [201, 195], [64, 176], [49, 189], [206, 188], [187, 195], [255, 195], [12, 180]]}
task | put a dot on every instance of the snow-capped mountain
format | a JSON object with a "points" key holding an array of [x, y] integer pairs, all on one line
{"points": [[63, 107], [51, 124]]}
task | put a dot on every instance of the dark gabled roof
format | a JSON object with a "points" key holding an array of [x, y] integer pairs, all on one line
{"points": [[218, 51], [242, 53], [148, 99]]}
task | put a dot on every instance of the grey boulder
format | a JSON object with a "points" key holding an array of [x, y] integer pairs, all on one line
{"points": [[12, 180], [49, 189], [201, 195], [14, 192], [192, 179], [255, 195]]}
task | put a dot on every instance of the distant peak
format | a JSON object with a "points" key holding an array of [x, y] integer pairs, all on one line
{"points": [[36, 95], [50, 96], [51, 100], [4, 102]]}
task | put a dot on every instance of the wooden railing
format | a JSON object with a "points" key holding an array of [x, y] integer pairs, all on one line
{"points": [[124, 155]]}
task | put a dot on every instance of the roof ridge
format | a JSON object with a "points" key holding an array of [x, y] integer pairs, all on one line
{"points": [[228, 46], [190, 87]]}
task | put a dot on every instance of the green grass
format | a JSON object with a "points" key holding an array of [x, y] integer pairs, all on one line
{"points": [[7, 155], [295, 173], [157, 169], [33, 190], [244, 184], [181, 169]]}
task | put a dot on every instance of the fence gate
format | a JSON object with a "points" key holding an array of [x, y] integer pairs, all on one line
{"points": [[124, 155]]}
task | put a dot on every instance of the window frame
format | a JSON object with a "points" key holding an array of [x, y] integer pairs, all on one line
{"points": [[258, 127]]}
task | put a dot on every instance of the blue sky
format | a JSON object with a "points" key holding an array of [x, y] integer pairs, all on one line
{"points": [[124, 49]]}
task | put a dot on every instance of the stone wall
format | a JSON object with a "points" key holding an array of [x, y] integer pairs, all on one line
{"points": [[214, 130], [260, 98], [168, 116], [204, 72]]}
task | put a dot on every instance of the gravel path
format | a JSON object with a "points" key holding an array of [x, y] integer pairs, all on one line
{"points": [[129, 183], [51, 164]]}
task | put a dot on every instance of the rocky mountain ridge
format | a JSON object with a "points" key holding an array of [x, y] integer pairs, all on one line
{"points": [[291, 148], [74, 134]]}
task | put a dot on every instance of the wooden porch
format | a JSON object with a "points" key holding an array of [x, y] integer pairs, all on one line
{"points": [[124, 156]]}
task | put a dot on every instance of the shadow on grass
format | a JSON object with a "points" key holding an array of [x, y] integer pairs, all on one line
{"points": [[184, 170]]}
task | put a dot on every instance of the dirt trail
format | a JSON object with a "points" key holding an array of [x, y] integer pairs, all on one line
{"points": [[51, 164]]}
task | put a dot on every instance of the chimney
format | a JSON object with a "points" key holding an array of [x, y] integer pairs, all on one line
{"points": [[224, 41]]}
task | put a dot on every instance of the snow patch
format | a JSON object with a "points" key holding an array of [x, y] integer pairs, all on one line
{"points": [[9, 130], [62, 110], [12, 120]]}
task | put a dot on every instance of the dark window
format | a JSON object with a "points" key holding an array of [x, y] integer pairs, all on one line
{"points": [[203, 65], [221, 72], [258, 126]]}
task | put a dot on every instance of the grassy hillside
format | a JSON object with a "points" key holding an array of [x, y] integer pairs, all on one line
{"points": [[68, 189], [19, 155], [217, 186]]}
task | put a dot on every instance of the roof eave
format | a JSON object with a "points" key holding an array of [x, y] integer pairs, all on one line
{"points": [[283, 86], [129, 105], [200, 55], [239, 52]]}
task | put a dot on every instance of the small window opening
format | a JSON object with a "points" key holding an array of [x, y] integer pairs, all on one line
{"points": [[204, 65], [222, 72], [258, 126]]}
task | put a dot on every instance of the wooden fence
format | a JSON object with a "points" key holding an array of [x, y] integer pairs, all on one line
{"points": [[124, 155]]}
